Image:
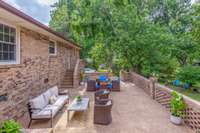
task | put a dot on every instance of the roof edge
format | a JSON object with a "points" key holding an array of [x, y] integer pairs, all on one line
{"points": [[26, 17]]}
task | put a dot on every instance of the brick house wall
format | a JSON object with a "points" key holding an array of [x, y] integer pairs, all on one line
{"points": [[36, 72]]}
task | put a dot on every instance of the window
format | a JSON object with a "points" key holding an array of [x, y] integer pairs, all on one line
{"points": [[7, 44], [52, 48]]}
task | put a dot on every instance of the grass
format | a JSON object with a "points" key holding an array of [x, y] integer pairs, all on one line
{"points": [[188, 92]]}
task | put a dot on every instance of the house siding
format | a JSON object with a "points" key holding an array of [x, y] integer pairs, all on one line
{"points": [[36, 72]]}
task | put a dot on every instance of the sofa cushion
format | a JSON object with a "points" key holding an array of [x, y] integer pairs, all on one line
{"points": [[61, 100], [108, 103], [37, 103], [54, 91], [47, 96], [52, 99], [46, 112]]}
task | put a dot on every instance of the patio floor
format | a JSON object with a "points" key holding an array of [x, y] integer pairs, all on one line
{"points": [[133, 112]]}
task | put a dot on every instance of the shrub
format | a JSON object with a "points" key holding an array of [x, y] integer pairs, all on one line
{"points": [[177, 105], [190, 74], [10, 126]]}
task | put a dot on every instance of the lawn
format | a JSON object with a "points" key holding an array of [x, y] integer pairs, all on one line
{"points": [[188, 92]]}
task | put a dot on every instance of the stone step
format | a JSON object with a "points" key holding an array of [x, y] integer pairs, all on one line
{"points": [[67, 84], [67, 81], [63, 88]]}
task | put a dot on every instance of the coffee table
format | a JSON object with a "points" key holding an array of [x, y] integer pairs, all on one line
{"points": [[78, 106]]}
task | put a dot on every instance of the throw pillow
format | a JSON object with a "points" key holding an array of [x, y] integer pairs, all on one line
{"points": [[52, 99]]}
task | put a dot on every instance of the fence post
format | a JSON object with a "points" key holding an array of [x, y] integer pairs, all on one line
{"points": [[152, 86]]}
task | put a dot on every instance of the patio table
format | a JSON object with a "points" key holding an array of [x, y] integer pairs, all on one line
{"points": [[83, 105]]}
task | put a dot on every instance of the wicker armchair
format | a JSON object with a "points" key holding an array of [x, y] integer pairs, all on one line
{"points": [[91, 85], [102, 112], [115, 85], [101, 94]]}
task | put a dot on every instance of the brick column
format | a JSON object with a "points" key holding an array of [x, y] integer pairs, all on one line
{"points": [[152, 86]]}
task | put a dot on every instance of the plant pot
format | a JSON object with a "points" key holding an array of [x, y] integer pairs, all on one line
{"points": [[176, 120]]}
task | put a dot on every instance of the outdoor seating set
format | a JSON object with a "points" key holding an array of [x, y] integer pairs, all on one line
{"points": [[103, 83], [103, 104]]}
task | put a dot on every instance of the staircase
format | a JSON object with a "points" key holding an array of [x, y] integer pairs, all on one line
{"points": [[67, 82]]}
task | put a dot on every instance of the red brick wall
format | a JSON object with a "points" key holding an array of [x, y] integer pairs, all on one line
{"points": [[36, 73]]}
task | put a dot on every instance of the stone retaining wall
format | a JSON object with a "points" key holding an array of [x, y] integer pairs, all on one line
{"points": [[162, 95]]}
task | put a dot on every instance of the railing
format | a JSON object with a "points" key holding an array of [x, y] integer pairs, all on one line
{"points": [[77, 70], [162, 95]]}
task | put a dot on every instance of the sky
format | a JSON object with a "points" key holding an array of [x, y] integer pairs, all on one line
{"points": [[38, 9]]}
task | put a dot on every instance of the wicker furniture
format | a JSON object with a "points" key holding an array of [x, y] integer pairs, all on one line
{"points": [[83, 105], [91, 85], [101, 94], [40, 109], [102, 112], [115, 85]]}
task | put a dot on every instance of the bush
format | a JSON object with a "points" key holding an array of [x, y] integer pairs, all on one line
{"points": [[177, 105], [10, 126], [190, 74]]}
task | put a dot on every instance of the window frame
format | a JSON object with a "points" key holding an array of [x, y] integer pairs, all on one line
{"points": [[55, 43], [17, 43]]}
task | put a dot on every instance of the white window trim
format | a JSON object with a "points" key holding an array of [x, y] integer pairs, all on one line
{"points": [[17, 61], [55, 48]]}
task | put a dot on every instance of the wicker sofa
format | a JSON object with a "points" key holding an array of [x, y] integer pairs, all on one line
{"points": [[40, 107]]}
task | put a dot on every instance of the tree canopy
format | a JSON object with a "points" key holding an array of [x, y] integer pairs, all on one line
{"points": [[148, 36]]}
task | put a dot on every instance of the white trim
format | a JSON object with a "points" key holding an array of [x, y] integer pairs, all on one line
{"points": [[55, 48], [17, 37]]}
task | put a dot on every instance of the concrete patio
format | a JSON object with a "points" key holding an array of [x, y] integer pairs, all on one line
{"points": [[133, 112]]}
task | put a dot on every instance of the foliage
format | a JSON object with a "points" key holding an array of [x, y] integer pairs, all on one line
{"points": [[153, 37], [190, 74], [10, 126], [78, 98], [82, 76], [196, 22], [177, 105]]}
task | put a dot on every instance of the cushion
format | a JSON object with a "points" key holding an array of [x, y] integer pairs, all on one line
{"points": [[46, 113], [47, 96], [109, 103], [52, 99], [37, 103], [61, 100], [54, 91]]}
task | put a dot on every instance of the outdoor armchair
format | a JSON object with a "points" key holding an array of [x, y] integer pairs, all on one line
{"points": [[102, 112], [91, 85], [101, 94], [115, 85]]}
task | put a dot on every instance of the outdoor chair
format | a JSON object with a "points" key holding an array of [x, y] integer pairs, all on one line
{"points": [[115, 85], [101, 94], [102, 112], [91, 85]]}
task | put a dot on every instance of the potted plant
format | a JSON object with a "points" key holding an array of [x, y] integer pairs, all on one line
{"points": [[10, 126], [78, 99], [177, 108], [82, 76]]}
